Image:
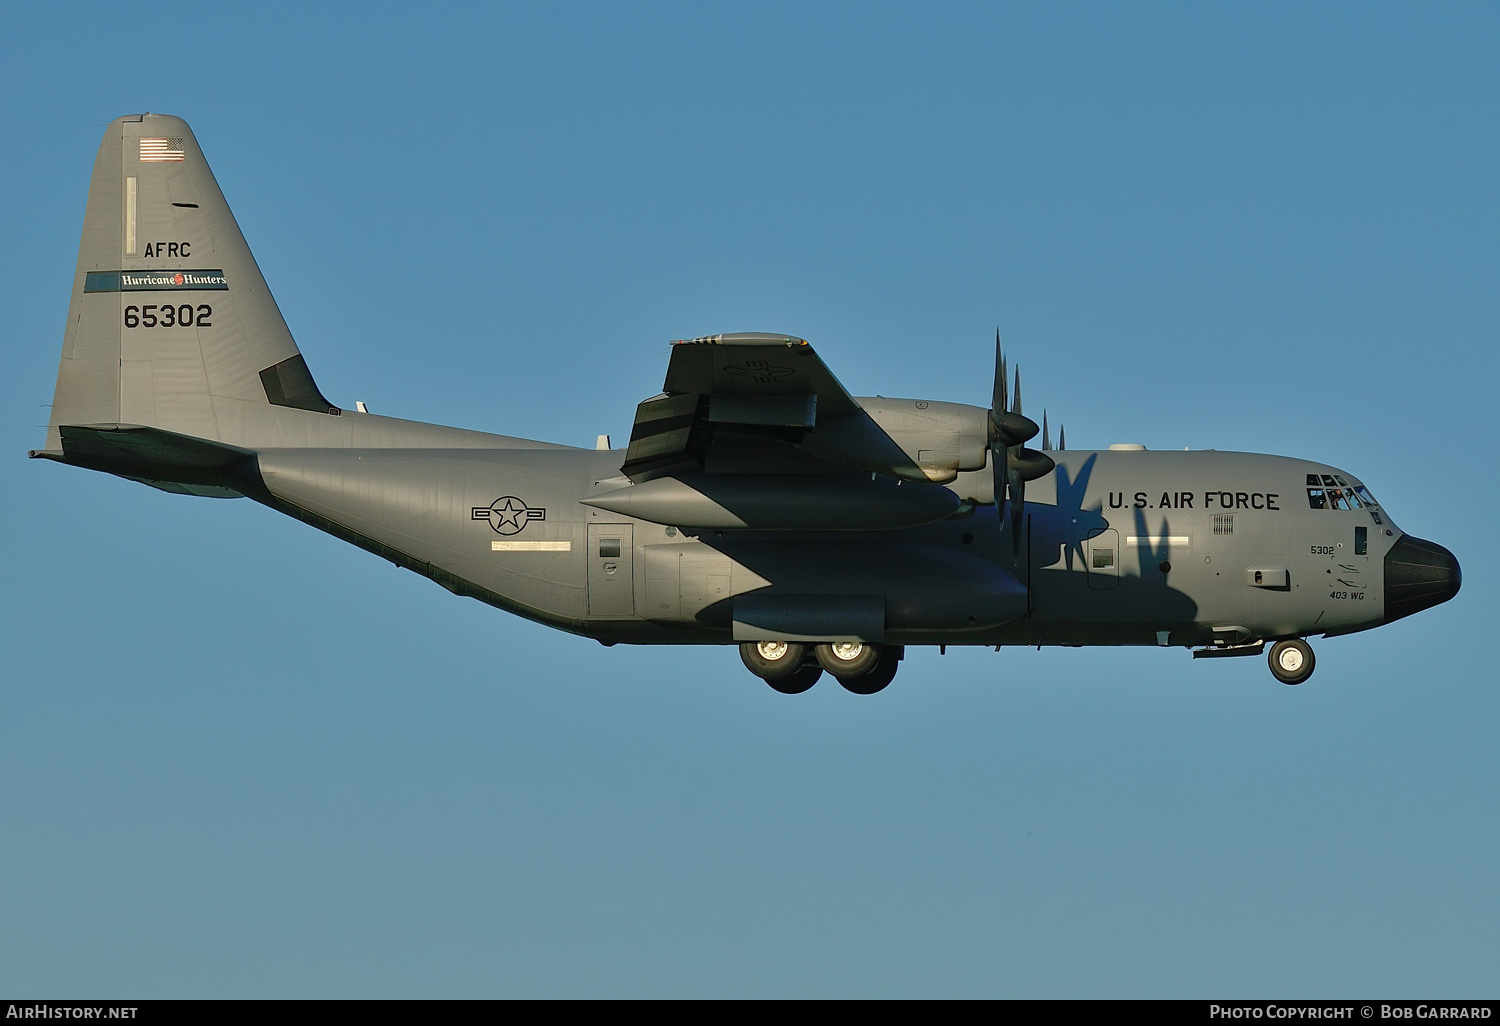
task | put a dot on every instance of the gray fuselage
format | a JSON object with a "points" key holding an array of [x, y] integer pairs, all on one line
{"points": [[1118, 547]]}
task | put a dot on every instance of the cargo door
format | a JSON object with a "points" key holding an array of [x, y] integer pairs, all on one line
{"points": [[611, 557]]}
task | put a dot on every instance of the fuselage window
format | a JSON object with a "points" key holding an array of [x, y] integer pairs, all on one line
{"points": [[1315, 497], [1104, 559], [1337, 499], [1313, 479], [1361, 541], [1364, 493], [609, 548]]}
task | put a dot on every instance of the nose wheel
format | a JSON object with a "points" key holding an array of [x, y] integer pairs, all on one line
{"points": [[1292, 661]]}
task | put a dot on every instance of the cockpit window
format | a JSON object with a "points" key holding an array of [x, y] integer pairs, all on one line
{"points": [[1331, 491]]}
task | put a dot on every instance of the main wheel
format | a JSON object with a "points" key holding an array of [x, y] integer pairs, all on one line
{"points": [[798, 682], [849, 659], [1292, 661], [773, 660], [875, 680]]}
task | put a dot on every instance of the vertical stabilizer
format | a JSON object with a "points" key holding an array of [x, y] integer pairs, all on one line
{"points": [[170, 323]]}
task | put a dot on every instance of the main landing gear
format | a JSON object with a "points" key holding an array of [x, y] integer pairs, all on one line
{"points": [[1292, 661], [792, 668]]}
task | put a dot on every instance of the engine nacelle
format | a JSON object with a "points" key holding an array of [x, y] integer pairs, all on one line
{"points": [[938, 439]]}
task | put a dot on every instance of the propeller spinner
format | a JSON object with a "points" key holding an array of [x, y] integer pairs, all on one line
{"points": [[1011, 463]]}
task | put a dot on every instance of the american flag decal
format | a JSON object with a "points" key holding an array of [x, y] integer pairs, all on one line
{"points": [[156, 151]]}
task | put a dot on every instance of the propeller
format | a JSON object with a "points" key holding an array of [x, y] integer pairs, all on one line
{"points": [[1011, 463], [1046, 440]]}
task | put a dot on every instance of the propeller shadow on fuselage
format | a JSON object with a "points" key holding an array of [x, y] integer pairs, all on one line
{"points": [[955, 562], [1066, 587], [1058, 532]]}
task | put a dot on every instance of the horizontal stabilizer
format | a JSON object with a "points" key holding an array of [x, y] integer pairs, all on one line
{"points": [[162, 459]]}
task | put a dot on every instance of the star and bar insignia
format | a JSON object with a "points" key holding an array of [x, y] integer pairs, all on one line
{"points": [[508, 514]]}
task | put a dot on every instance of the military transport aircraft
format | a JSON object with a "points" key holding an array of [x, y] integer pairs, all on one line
{"points": [[757, 504]]}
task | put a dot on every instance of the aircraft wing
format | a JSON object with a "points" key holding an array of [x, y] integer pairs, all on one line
{"points": [[746, 403], [756, 367]]}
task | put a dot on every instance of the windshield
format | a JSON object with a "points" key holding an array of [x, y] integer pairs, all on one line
{"points": [[1332, 491]]}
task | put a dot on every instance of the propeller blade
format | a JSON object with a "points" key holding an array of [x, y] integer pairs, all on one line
{"points": [[998, 397], [1017, 485], [1023, 465], [997, 433], [1046, 438], [1062, 437]]}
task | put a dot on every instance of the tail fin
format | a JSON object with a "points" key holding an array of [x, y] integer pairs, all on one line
{"points": [[171, 325]]}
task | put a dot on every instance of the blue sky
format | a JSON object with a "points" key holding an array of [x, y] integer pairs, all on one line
{"points": [[238, 758]]}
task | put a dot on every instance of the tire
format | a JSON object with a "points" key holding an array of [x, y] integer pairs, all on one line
{"points": [[849, 659], [1292, 661], [798, 682], [773, 660], [875, 680]]}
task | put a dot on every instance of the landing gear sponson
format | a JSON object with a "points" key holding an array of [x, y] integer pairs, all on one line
{"points": [[791, 667]]}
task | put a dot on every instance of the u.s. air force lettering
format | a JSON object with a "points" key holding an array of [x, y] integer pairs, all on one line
{"points": [[508, 514]]}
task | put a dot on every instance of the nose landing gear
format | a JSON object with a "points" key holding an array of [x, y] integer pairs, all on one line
{"points": [[1292, 661]]}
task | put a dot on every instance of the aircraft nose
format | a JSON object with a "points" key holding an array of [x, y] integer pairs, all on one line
{"points": [[1418, 574]]}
